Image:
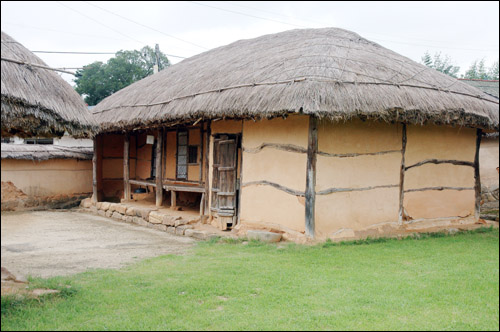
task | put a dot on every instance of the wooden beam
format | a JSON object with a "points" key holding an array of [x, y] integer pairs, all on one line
{"points": [[402, 175], [201, 156], [94, 172], [441, 161], [126, 168], [477, 177], [312, 149], [206, 162], [159, 173]]}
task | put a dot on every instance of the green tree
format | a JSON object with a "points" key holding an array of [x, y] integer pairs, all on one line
{"points": [[477, 71], [493, 71], [98, 80], [440, 64]]}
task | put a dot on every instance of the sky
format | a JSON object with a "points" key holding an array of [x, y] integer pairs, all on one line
{"points": [[464, 31]]}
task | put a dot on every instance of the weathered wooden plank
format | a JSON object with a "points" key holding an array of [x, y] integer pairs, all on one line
{"points": [[184, 188], [477, 175], [439, 189], [402, 175], [351, 155], [310, 193], [441, 161], [337, 190], [283, 147], [159, 173], [94, 172], [142, 182], [126, 168], [275, 185]]}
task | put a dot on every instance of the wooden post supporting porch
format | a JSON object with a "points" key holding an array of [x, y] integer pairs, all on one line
{"points": [[94, 172], [310, 194], [126, 168], [159, 171]]}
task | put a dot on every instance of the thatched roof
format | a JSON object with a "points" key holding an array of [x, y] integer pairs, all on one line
{"points": [[490, 87], [45, 152], [36, 101], [328, 72]]}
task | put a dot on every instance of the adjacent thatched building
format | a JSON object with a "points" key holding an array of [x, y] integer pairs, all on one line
{"points": [[35, 100], [44, 176], [316, 131]]}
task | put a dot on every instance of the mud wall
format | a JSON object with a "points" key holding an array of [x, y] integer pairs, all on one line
{"points": [[445, 190], [274, 172], [49, 177], [357, 177], [488, 162]]}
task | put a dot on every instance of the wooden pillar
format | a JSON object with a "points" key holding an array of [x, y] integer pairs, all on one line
{"points": [[477, 177], [126, 168], [312, 149], [402, 176], [94, 172], [206, 161], [159, 173], [173, 199]]}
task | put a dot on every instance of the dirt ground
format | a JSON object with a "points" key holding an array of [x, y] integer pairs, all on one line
{"points": [[64, 242]]}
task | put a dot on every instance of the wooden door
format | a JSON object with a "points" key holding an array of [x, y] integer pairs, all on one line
{"points": [[224, 197]]}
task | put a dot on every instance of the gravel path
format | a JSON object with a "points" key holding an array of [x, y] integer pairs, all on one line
{"points": [[64, 242]]}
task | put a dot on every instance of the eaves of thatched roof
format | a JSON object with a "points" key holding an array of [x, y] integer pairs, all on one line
{"points": [[44, 152], [36, 101], [331, 73]]}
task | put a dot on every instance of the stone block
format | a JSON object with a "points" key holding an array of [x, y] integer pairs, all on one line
{"points": [[181, 222], [112, 207], [168, 220], [130, 211], [117, 215], [171, 229], [143, 213], [129, 219], [155, 217], [179, 230], [101, 213], [109, 213], [120, 208], [160, 227], [105, 206], [86, 203], [139, 221], [263, 236]]}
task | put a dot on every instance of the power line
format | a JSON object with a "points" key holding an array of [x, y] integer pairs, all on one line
{"points": [[145, 26], [58, 31], [316, 22], [249, 15], [75, 52], [301, 26], [90, 18]]}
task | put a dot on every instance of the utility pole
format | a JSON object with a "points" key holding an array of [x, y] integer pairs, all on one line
{"points": [[157, 60]]}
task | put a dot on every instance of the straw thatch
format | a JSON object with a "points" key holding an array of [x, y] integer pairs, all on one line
{"points": [[36, 101], [45, 152], [329, 72]]}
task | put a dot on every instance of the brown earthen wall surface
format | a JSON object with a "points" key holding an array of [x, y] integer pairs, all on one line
{"points": [[446, 143], [378, 164], [49, 177], [262, 203], [488, 162]]}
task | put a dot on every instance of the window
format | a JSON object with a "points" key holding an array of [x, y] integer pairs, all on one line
{"points": [[182, 155], [193, 154]]}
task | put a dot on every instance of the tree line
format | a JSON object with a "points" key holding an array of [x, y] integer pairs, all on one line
{"points": [[477, 69]]}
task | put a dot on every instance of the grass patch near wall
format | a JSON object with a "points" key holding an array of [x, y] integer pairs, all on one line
{"points": [[429, 283]]}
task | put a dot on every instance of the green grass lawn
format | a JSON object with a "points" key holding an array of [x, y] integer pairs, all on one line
{"points": [[433, 283]]}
